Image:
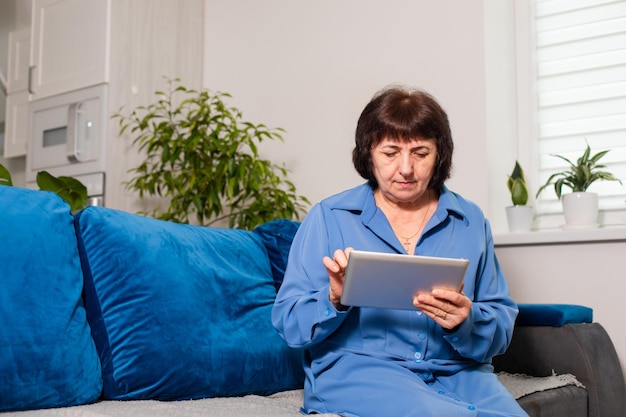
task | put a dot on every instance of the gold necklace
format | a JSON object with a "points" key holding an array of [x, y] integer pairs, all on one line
{"points": [[407, 240]]}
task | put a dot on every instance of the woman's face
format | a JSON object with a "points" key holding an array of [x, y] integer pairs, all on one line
{"points": [[403, 169]]}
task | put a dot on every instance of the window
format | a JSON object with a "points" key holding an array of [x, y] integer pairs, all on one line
{"points": [[579, 77]]}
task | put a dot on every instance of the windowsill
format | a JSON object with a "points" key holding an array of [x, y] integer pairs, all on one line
{"points": [[558, 236]]}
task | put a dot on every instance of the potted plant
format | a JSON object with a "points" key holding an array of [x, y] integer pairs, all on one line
{"points": [[203, 159], [519, 215], [580, 207]]}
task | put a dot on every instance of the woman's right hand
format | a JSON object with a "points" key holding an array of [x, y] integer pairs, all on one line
{"points": [[336, 268]]}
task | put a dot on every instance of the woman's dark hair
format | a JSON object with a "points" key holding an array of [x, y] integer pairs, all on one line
{"points": [[400, 114]]}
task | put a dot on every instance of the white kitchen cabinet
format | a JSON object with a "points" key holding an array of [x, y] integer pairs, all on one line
{"points": [[16, 116], [70, 45], [16, 124], [125, 47], [19, 60], [65, 49]]}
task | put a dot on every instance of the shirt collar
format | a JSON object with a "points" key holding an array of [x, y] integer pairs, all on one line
{"points": [[361, 199]]}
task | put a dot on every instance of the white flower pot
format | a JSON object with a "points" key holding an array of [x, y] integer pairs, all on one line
{"points": [[580, 210], [520, 218]]}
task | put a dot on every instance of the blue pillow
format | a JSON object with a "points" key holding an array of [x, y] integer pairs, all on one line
{"points": [[277, 236], [180, 311], [47, 356], [555, 315]]}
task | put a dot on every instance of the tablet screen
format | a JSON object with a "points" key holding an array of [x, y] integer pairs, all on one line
{"points": [[387, 280]]}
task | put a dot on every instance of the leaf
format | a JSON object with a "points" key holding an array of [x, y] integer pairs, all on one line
{"points": [[517, 174], [519, 192], [583, 160], [566, 160], [599, 155], [69, 189], [5, 176]]}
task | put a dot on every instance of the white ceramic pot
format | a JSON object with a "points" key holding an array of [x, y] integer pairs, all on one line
{"points": [[520, 218], [580, 210]]}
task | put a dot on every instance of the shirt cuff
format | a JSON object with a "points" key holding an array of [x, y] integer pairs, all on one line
{"points": [[327, 309], [462, 332]]}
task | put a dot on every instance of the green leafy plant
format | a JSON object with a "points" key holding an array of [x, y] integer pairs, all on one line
{"points": [[517, 186], [69, 189], [5, 176], [580, 175], [204, 159]]}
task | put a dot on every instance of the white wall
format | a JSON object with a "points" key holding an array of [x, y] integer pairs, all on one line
{"points": [[310, 67], [590, 274], [503, 144]]}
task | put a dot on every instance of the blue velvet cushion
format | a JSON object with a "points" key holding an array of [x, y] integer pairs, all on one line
{"points": [[277, 236], [555, 315], [181, 311], [47, 356]]}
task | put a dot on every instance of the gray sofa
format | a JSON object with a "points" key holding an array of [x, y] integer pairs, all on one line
{"points": [[581, 349], [106, 313]]}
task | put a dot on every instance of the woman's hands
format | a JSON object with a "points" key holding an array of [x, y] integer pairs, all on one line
{"points": [[447, 307], [336, 268]]}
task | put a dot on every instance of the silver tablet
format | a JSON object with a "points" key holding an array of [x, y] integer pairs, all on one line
{"points": [[387, 280]]}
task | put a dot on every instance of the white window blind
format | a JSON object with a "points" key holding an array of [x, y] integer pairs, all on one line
{"points": [[581, 94]]}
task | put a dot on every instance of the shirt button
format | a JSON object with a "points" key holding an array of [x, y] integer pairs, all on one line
{"points": [[440, 392], [455, 339], [425, 375], [327, 312], [418, 312], [422, 336], [417, 355], [471, 407]]}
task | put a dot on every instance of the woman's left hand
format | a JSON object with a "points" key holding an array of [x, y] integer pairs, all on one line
{"points": [[447, 307]]}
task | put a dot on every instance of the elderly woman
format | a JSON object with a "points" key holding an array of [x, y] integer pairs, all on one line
{"points": [[435, 360]]}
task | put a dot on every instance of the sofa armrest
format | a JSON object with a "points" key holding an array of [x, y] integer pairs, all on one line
{"points": [[584, 350]]}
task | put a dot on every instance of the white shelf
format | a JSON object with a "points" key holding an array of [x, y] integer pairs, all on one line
{"points": [[558, 236]]}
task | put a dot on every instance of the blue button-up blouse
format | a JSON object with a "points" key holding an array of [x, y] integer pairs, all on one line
{"points": [[305, 317]]}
